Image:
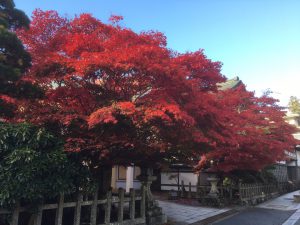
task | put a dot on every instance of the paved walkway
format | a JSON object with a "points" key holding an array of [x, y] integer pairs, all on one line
{"points": [[179, 214], [183, 214], [283, 202], [256, 216]]}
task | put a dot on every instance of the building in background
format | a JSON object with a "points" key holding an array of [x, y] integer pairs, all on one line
{"points": [[125, 177], [293, 165], [171, 179]]}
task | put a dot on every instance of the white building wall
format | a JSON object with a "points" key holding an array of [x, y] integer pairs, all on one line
{"points": [[172, 178], [127, 183], [129, 178], [122, 184]]}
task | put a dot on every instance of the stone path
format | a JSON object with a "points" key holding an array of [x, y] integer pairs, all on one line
{"points": [[183, 214]]}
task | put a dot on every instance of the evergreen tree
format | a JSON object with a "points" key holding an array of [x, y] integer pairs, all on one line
{"points": [[294, 104], [14, 59]]}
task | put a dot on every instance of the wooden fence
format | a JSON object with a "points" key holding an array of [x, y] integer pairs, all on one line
{"points": [[243, 193], [185, 190], [110, 202], [252, 193]]}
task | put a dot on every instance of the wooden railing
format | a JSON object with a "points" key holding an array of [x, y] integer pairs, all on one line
{"points": [[185, 190], [243, 193], [107, 204], [256, 192], [253, 193]]}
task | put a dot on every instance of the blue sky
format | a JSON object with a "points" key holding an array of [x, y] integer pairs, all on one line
{"points": [[257, 40]]}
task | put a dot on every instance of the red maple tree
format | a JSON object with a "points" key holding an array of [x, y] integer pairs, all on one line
{"points": [[119, 97], [256, 133]]}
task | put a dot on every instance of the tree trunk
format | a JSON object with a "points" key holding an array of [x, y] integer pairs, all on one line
{"points": [[104, 178]]}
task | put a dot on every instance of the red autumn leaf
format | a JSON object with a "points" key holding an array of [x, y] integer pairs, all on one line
{"points": [[107, 86]]}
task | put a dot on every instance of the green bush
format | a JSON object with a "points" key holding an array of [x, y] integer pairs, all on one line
{"points": [[247, 176], [33, 165]]}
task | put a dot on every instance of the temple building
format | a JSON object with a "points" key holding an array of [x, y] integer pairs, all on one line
{"points": [[126, 177]]}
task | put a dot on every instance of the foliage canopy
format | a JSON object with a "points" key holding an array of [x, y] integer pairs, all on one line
{"points": [[294, 104], [118, 97]]}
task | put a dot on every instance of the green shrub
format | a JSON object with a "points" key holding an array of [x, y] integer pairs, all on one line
{"points": [[33, 165]]}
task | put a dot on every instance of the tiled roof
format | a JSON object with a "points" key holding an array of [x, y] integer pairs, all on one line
{"points": [[229, 84]]}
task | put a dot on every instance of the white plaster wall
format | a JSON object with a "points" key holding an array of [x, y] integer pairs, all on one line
{"points": [[169, 178], [291, 163], [186, 177], [297, 136], [122, 184], [292, 122]]}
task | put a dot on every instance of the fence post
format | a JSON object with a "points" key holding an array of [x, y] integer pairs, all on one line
{"points": [[182, 188], [143, 202], [93, 220], [108, 208], [197, 191], [15, 215], [197, 187], [59, 210], [256, 190], [190, 190], [121, 205], [240, 191], [222, 190], [230, 191], [77, 212], [39, 215], [132, 203]]}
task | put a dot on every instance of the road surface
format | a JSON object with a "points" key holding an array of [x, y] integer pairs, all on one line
{"points": [[257, 216]]}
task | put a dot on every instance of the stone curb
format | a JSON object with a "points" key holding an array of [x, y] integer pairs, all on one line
{"points": [[293, 219], [217, 217]]}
